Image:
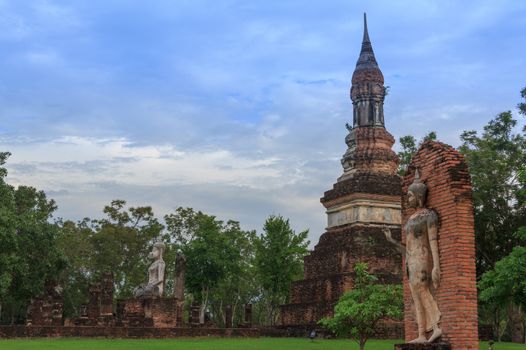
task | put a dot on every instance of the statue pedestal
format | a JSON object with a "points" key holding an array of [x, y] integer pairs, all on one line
{"points": [[158, 312], [425, 346]]}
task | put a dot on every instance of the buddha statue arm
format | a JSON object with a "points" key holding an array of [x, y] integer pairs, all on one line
{"points": [[432, 231], [160, 274], [399, 246]]}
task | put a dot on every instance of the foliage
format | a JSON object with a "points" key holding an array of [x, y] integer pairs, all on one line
{"points": [[28, 257], [218, 260], [507, 281], [504, 288], [121, 243], [278, 261], [118, 243], [359, 310], [522, 106], [74, 241], [238, 286], [496, 161], [409, 148]]}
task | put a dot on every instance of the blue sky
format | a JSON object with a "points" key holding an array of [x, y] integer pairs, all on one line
{"points": [[236, 108]]}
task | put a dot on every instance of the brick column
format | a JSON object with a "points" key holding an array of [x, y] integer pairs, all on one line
{"points": [[445, 172]]}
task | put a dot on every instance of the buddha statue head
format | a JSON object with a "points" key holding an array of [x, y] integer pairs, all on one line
{"points": [[158, 250], [416, 193]]}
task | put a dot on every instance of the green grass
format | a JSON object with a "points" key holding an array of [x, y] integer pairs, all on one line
{"points": [[209, 344]]}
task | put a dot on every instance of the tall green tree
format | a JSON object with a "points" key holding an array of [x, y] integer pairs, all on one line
{"points": [[75, 242], [359, 310], [238, 285], [121, 243], [279, 261], [213, 256], [29, 256], [496, 158]]}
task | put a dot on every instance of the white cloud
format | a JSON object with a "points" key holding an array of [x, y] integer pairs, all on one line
{"points": [[67, 162]]}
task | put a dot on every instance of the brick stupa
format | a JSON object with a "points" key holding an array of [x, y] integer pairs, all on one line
{"points": [[365, 198]]}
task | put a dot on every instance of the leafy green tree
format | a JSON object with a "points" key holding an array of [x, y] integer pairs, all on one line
{"points": [[29, 256], [74, 241], [213, 255], [238, 286], [496, 161], [360, 309], [121, 243], [505, 285], [278, 261]]}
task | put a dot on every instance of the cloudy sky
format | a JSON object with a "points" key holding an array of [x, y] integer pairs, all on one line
{"points": [[236, 108]]}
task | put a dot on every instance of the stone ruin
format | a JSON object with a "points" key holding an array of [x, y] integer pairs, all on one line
{"points": [[149, 314], [47, 308]]}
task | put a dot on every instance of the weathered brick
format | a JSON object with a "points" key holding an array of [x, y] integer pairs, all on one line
{"points": [[449, 194]]}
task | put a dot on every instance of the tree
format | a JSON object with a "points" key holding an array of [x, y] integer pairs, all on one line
{"points": [[409, 148], [505, 285], [278, 261], [121, 243], [29, 256], [212, 253], [74, 240], [496, 161], [238, 286], [360, 309]]}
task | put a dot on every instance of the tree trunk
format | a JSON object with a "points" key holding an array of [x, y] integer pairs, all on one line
{"points": [[203, 306], [516, 324], [362, 343]]}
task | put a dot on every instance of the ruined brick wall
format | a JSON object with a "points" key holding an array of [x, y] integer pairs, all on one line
{"points": [[445, 172], [329, 272], [47, 308], [106, 295], [150, 312]]}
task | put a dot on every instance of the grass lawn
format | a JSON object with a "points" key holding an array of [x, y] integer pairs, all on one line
{"points": [[209, 344]]}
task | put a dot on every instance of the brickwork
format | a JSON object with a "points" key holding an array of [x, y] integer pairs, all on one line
{"points": [[373, 151], [329, 273], [46, 310], [150, 312], [106, 294], [445, 172], [363, 183]]}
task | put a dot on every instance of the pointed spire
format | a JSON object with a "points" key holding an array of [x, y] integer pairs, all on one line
{"points": [[365, 31], [367, 92], [366, 59]]}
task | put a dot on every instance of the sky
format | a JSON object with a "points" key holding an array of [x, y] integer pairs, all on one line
{"points": [[235, 108]]}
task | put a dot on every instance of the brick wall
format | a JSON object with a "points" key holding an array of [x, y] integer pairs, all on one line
{"points": [[445, 172]]}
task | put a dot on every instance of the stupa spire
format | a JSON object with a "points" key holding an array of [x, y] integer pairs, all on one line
{"points": [[367, 91], [365, 31]]}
